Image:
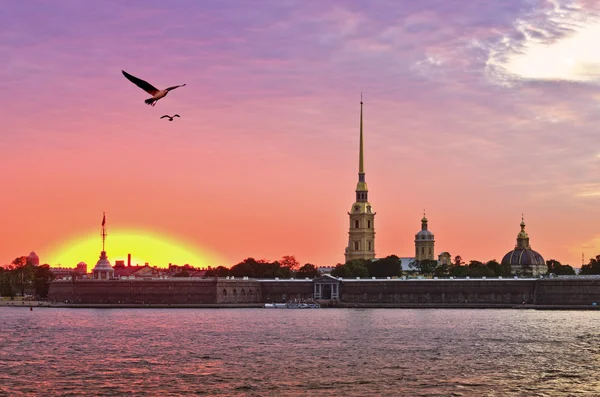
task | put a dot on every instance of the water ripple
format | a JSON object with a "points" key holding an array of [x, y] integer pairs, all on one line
{"points": [[254, 352]]}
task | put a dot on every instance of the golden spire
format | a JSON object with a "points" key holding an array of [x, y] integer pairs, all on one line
{"points": [[361, 186], [361, 169]]}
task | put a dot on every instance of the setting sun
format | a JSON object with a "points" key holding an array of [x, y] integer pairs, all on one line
{"points": [[144, 246]]}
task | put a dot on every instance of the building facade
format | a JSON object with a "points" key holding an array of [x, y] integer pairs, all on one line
{"points": [[361, 234], [424, 243]]}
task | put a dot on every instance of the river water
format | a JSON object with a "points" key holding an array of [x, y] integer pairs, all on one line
{"points": [[278, 352]]}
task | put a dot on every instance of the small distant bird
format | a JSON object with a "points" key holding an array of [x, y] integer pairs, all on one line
{"points": [[170, 117], [149, 88]]}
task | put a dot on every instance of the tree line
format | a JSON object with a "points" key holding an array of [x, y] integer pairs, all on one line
{"points": [[22, 276]]}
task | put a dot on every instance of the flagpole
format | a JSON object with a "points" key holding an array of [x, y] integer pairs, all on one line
{"points": [[103, 234]]}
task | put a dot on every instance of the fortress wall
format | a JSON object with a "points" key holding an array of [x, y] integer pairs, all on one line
{"points": [[558, 291], [492, 291], [579, 291], [175, 291], [238, 291], [284, 290]]}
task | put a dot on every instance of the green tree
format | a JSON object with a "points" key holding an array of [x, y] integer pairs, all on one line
{"points": [[458, 261], [6, 282], [251, 267], [308, 270], [220, 271], [459, 271], [592, 267], [426, 267], [525, 270], [23, 273], [497, 269], [290, 262], [42, 278], [442, 270], [389, 266], [557, 268], [351, 269]]}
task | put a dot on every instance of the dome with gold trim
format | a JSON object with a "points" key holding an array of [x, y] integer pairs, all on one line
{"points": [[523, 260]]}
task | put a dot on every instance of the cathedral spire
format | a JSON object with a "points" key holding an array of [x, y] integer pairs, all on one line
{"points": [[361, 236], [361, 186], [361, 168]]}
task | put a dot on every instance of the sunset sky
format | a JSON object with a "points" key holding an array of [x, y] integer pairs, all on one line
{"points": [[476, 111]]}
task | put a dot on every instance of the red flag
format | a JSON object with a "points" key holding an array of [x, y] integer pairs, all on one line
{"points": [[103, 219]]}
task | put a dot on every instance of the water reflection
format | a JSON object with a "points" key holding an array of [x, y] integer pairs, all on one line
{"points": [[353, 352]]}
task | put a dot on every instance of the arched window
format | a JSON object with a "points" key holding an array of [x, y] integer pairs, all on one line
{"points": [[429, 250], [224, 291], [369, 246], [368, 224], [249, 292], [422, 251], [243, 292], [356, 245], [356, 224], [234, 291]]}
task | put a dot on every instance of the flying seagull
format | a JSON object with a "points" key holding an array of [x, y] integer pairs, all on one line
{"points": [[170, 117], [149, 88]]}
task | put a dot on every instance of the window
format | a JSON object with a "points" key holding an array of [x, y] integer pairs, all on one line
{"points": [[369, 246], [356, 224], [224, 292], [234, 292], [422, 251], [368, 224], [249, 292], [429, 250], [242, 292], [356, 245]]}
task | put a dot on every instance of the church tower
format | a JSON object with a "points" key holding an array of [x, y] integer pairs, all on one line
{"points": [[361, 235], [424, 242]]}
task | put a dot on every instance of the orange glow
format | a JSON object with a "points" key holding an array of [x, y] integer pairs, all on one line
{"points": [[144, 247]]}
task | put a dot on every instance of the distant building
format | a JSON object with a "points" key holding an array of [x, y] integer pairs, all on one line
{"points": [[124, 272], [33, 259], [405, 264], [82, 268], [523, 260], [445, 259], [361, 236], [69, 272], [424, 242], [325, 269]]}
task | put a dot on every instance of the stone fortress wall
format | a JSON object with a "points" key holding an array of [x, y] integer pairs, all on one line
{"points": [[573, 291]]}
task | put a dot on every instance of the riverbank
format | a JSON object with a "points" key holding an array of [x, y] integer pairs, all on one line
{"points": [[337, 305]]}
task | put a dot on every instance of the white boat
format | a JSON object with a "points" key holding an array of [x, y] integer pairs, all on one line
{"points": [[275, 306], [292, 305]]}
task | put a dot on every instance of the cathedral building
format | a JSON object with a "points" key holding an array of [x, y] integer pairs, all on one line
{"points": [[361, 234], [523, 260], [424, 243]]}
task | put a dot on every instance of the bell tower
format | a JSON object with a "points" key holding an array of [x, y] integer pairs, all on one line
{"points": [[361, 234], [424, 242]]}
